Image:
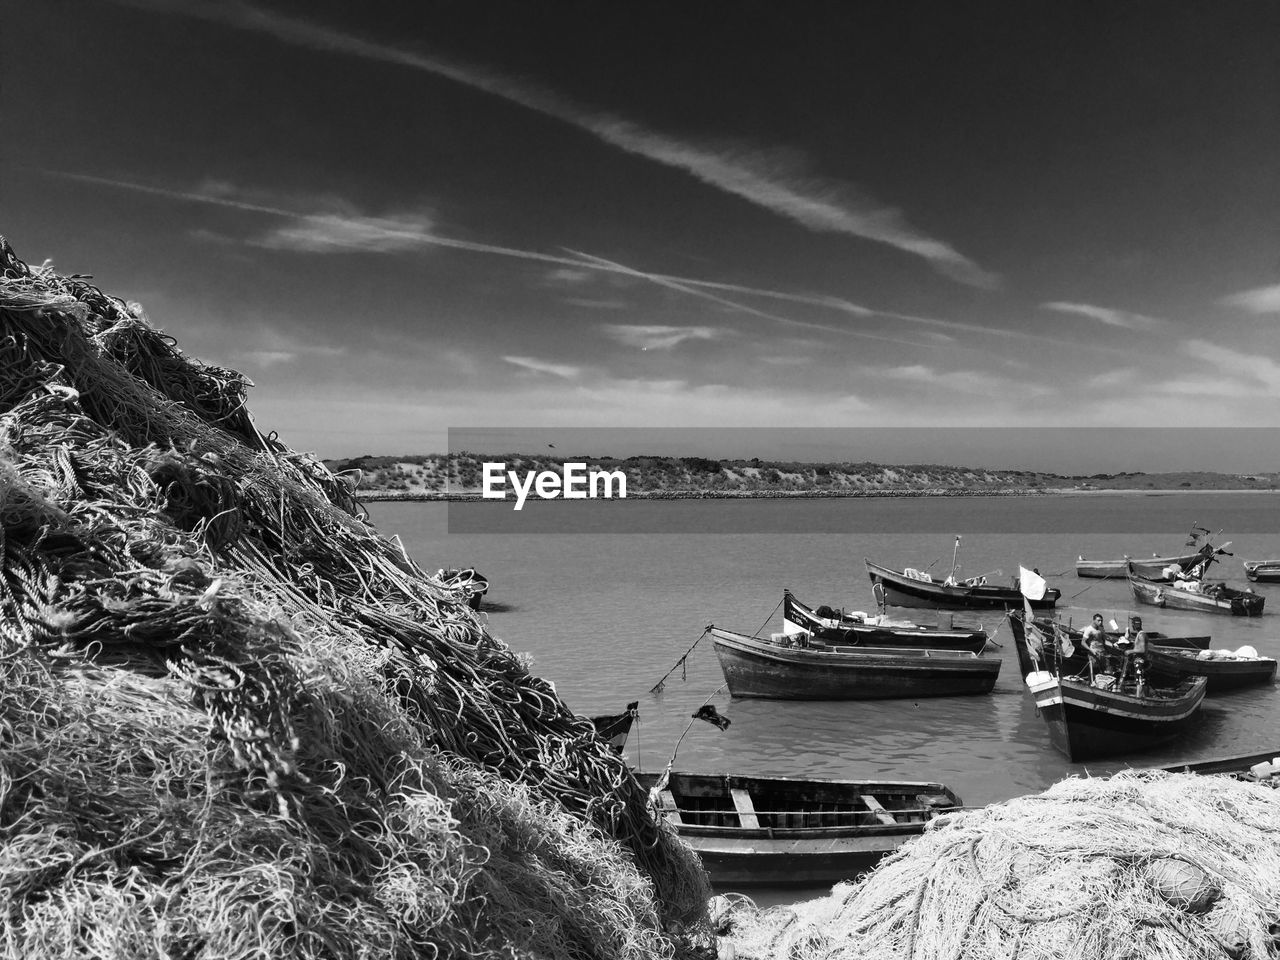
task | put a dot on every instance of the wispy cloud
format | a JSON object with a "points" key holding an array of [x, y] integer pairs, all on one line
{"points": [[1112, 318], [400, 231], [336, 233], [589, 304], [769, 179], [1258, 300], [1259, 368], [562, 370], [569, 276], [658, 337], [961, 381]]}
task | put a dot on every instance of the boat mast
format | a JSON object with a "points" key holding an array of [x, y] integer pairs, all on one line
{"points": [[954, 554]]}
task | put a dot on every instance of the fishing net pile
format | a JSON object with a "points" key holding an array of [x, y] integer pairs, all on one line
{"points": [[235, 722], [1150, 866]]}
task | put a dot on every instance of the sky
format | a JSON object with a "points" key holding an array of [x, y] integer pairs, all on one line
{"points": [[401, 218]]}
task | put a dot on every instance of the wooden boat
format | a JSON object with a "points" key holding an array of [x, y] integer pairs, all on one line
{"points": [[1223, 673], [1201, 595], [1088, 720], [1152, 569], [914, 588], [1169, 659], [1262, 571], [779, 831], [614, 727], [799, 668], [860, 629], [1264, 764]]}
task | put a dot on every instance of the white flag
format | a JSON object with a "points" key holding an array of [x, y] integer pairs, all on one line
{"points": [[1031, 584]]}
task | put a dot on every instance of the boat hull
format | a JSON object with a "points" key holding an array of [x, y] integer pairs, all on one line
{"points": [[1262, 571], [1086, 723], [759, 668], [1237, 603], [1152, 567], [899, 590]]}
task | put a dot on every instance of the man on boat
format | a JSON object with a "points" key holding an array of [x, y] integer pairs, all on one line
{"points": [[1134, 645], [1094, 629]]}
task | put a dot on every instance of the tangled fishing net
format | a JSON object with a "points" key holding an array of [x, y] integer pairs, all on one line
{"points": [[235, 722], [1142, 865]]}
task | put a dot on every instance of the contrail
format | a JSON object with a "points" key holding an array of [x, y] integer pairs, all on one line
{"points": [[690, 286], [754, 175]]}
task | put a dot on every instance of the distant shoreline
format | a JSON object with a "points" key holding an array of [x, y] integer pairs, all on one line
{"points": [[381, 496]]}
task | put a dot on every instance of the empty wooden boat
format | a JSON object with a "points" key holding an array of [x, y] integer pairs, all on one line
{"points": [[915, 588], [1201, 595], [1152, 567], [1262, 571], [861, 629], [799, 668], [783, 831]]}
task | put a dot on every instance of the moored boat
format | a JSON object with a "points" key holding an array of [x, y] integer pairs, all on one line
{"points": [[1223, 669], [1096, 717], [915, 588], [1262, 571], [614, 728], [797, 667], [782, 831], [1151, 568], [861, 629], [1200, 595]]}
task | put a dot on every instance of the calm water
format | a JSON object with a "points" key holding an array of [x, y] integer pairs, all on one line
{"points": [[604, 616]]}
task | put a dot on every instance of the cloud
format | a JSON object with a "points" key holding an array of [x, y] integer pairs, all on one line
{"points": [[1264, 371], [313, 228], [658, 337], [267, 358], [569, 276], [335, 233], [1259, 300], [541, 366], [961, 381], [769, 179], [1112, 318], [596, 304]]}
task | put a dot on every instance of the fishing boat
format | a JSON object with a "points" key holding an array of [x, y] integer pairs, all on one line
{"points": [[915, 588], [800, 667], [1200, 595], [781, 831], [1224, 669], [858, 629], [1092, 717], [1152, 568], [1262, 571], [1168, 659], [1261, 765], [1160, 569], [615, 727]]}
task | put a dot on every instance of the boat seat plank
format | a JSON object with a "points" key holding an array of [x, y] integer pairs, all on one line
{"points": [[746, 809], [669, 808], [876, 807]]}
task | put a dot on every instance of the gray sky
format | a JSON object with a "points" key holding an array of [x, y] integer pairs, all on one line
{"points": [[399, 218]]}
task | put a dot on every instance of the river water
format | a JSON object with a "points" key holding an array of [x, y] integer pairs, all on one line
{"points": [[605, 615]]}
